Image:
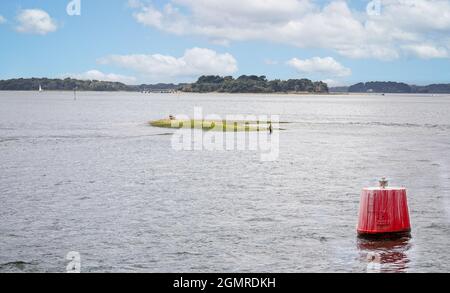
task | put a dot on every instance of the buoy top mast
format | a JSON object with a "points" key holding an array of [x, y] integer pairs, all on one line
{"points": [[383, 183]]}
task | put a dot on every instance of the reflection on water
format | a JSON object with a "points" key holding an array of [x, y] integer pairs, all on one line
{"points": [[385, 256]]}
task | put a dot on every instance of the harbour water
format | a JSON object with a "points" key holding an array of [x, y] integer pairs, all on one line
{"points": [[91, 176]]}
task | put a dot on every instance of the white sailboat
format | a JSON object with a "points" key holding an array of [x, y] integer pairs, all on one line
{"points": [[40, 88]]}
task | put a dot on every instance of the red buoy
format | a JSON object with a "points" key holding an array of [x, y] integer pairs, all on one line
{"points": [[384, 211]]}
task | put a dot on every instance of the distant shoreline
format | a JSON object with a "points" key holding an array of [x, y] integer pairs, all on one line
{"points": [[168, 93], [244, 84], [235, 94]]}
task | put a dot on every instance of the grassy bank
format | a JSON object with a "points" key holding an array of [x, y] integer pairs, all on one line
{"points": [[210, 125]]}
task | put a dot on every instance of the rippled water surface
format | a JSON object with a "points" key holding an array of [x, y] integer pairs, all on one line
{"points": [[91, 176]]}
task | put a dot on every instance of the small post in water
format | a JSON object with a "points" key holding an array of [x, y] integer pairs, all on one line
{"points": [[75, 93]]}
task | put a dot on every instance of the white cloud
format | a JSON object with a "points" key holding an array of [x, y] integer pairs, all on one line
{"points": [[194, 62], [98, 75], [134, 3], [308, 24], [426, 51], [2, 19], [333, 83], [324, 66], [35, 21]]}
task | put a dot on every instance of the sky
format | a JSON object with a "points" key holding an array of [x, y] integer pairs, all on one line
{"points": [[142, 41]]}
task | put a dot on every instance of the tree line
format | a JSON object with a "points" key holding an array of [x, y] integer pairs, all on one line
{"points": [[398, 87], [68, 84], [253, 84], [215, 83]]}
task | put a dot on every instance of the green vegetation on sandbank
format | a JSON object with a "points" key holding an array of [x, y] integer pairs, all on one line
{"points": [[213, 125]]}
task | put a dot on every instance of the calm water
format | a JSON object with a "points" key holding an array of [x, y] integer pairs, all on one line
{"points": [[91, 176]]}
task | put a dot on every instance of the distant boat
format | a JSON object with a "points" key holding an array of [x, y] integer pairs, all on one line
{"points": [[40, 88]]}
